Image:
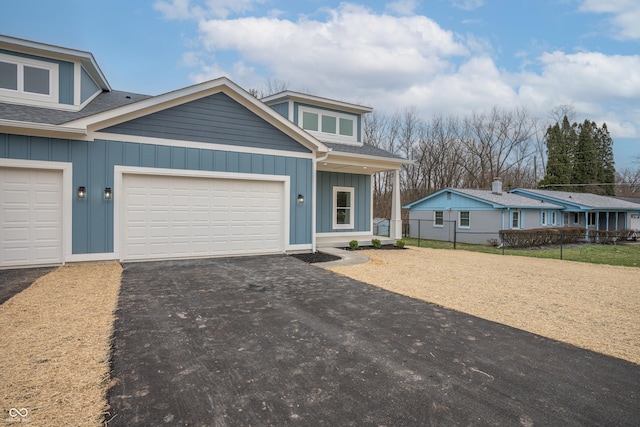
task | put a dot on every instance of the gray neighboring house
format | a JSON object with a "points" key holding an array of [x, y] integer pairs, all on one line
{"points": [[592, 211], [90, 173], [477, 216]]}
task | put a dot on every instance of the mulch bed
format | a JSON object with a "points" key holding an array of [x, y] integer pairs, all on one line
{"points": [[316, 257]]}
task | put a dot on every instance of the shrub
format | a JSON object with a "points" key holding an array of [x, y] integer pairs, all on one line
{"points": [[541, 236], [376, 243], [400, 244], [353, 244]]}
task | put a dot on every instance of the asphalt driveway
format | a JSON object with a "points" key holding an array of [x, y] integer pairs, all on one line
{"points": [[273, 341], [15, 281]]}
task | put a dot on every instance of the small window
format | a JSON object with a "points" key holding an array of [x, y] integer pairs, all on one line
{"points": [[464, 219], [328, 124], [543, 218], [36, 80], [438, 218], [554, 218], [515, 219], [310, 121], [576, 218], [592, 218], [8, 76], [346, 127], [343, 208]]}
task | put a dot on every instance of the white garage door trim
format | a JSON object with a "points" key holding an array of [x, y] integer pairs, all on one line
{"points": [[67, 194], [119, 201]]}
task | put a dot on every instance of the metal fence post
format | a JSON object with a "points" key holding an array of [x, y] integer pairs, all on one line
{"points": [[419, 221], [561, 241], [455, 233]]}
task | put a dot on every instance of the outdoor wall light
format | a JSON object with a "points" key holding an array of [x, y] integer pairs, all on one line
{"points": [[300, 199], [107, 193], [82, 193]]}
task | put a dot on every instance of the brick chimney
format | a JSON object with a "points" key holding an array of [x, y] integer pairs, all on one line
{"points": [[496, 186]]}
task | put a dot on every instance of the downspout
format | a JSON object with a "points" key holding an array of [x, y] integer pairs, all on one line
{"points": [[314, 178]]}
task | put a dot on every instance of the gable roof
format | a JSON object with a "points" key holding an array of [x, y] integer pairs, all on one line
{"points": [[584, 201], [496, 201]]}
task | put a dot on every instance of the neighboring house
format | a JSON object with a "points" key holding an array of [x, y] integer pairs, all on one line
{"points": [[477, 216], [91, 173], [588, 210]]}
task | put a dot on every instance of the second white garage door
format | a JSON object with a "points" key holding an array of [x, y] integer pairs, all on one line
{"points": [[179, 217]]}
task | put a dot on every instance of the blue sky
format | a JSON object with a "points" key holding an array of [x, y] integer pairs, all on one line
{"points": [[438, 56]]}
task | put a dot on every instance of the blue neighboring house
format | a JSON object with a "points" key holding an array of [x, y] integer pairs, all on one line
{"points": [[477, 216], [92, 173]]}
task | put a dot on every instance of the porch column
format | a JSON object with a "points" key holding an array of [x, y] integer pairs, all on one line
{"points": [[395, 225]]}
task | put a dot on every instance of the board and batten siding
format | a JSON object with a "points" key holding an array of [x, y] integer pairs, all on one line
{"points": [[324, 211], [93, 167], [214, 119]]}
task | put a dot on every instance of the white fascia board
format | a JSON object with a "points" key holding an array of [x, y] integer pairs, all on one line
{"points": [[41, 129], [317, 100], [192, 93], [366, 160]]}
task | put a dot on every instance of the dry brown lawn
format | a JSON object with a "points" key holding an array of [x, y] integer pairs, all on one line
{"points": [[596, 307], [55, 346]]}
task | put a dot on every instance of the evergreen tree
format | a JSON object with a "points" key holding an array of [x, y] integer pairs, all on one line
{"points": [[579, 154], [585, 160], [560, 141], [607, 171]]}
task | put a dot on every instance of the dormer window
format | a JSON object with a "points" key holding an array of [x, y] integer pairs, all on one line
{"points": [[328, 125], [28, 79]]}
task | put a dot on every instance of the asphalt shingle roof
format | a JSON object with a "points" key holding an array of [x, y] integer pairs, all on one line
{"points": [[586, 199], [507, 199], [103, 102]]}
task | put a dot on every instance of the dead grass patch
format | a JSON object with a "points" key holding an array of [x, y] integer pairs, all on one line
{"points": [[55, 338], [596, 307]]}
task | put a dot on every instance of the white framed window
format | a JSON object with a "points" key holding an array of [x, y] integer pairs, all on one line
{"points": [[554, 218], [543, 218], [576, 218], [515, 219], [464, 219], [592, 218], [438, 218], [329, 125], [28, 79], [343, 207]]}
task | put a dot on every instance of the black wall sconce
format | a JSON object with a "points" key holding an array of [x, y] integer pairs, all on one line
{"points": [[82, 193], [108, 194], [300, 199]]}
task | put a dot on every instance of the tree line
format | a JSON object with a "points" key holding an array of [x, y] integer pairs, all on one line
{"points": [[470, 151]]}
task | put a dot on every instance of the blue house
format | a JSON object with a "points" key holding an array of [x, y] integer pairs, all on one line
{"points": [[477, 216], [92, 173]]}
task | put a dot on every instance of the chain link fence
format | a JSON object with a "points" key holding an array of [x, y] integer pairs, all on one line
{"points": [[594, 246]]}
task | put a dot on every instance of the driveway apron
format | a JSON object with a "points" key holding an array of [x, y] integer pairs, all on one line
{"points": [[273, 341], [15, 281]]}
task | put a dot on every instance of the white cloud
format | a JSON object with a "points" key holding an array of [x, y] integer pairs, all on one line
{"points": [[402, 7], [222, 9], [392, 62], [625, 15], [467, 5]]}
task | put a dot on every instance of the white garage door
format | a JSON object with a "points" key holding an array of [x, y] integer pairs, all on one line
{"points": [[178, 217], [30, 216]]}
